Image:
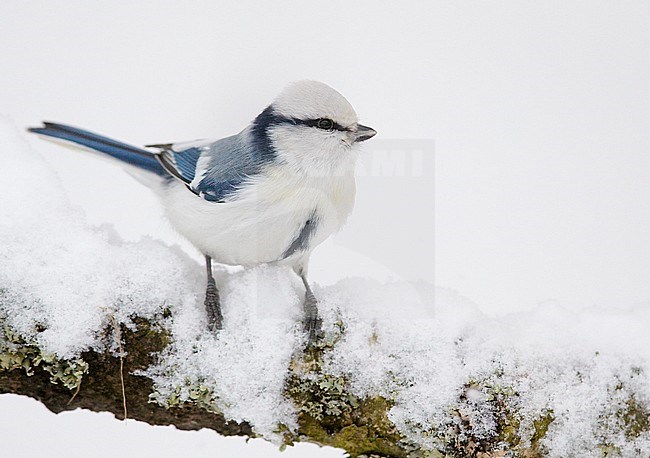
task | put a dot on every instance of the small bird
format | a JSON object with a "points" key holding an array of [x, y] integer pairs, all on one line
{"points": [[269, 194]]}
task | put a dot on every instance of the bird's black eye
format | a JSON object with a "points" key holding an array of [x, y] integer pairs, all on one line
{"points": [[325, 124]]}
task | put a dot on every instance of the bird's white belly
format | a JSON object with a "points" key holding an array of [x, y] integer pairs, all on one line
{"points": [[260, 225]]}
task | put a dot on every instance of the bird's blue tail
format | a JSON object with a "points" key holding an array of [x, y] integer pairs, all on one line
{"points": [[138, 157]]}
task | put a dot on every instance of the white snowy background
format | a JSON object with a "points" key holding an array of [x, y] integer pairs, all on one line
{"points": [[539, 113]]}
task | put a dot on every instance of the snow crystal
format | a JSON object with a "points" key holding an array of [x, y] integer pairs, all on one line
{"points": [[430, 351]]}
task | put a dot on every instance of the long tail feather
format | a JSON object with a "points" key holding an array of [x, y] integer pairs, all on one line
{"points": [[135, 156]]}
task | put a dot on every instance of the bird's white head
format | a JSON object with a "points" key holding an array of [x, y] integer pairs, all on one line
{"points": [[312, 127]]}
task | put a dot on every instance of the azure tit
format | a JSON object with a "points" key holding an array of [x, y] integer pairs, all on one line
{"points": [[269, 194]]}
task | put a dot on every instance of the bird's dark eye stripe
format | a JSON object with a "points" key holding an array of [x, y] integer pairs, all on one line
{"points": [[315, 123]]}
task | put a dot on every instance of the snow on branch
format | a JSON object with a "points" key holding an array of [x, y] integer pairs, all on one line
{"points": [[404, 369]]}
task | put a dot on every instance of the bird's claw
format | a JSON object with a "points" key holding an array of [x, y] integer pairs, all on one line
{"points": [[213, 307], [312, 325], [313, 329]]}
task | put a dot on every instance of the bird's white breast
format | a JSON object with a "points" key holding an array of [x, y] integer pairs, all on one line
{"points": [[262, 220]]}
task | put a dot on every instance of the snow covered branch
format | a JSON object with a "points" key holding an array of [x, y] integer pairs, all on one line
{"points": [[404, 369], [94, 381]]}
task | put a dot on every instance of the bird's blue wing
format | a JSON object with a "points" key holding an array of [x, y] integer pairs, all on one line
{"points": [[180, 159], [214, 170]]}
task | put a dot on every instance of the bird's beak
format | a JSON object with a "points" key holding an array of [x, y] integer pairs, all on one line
{"points": [[363, 133]]}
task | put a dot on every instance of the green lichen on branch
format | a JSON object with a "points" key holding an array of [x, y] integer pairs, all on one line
{"points": [[540, 428], [192, 393], [635, 417], [17, 354], [486, 421], [627, 419], [329, 414]]}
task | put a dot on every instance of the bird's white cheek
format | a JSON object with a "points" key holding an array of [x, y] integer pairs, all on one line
{"points": [[313, 153]]}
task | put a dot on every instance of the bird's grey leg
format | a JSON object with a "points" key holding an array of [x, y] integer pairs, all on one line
{"points": [[312, 322], [212, 304]]}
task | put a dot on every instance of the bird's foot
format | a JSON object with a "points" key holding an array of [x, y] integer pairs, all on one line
{"points": [[312, 324], [213, 307]]}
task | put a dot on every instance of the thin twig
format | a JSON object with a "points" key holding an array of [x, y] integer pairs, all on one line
{"points": [[76, 392], [118, 336]]}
